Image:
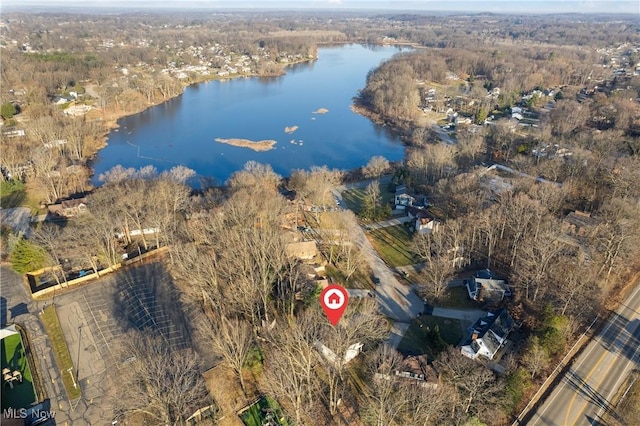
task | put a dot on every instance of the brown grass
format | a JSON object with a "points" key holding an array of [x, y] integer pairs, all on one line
{"points": [[225, 389], [263, 145]]}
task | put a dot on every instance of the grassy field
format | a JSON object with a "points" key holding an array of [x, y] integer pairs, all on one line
{"points": [[49, 318], [354, 198], [265, 409], [429, 335], [13, 357], [393, 244]]}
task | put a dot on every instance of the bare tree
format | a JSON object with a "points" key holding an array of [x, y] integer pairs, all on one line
{"points": [[339, 235], [50, 237], [439, 253], [535, 358], [290, 367], [256, 177], [159, 385], [384, 406], [314, 186], [232, 340], [361, 324], [477, 387], [372, 201], [376, 167], [427, 405]]}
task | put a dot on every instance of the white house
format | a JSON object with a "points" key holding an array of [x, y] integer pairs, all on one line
{"points": [[329, 355], [488, 335], [425, 225], [402, 198]]}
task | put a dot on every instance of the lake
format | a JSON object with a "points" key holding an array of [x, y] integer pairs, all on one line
{"points": [[183, 130]]}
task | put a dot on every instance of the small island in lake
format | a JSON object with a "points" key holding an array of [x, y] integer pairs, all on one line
{"points": [[321, 111], [264, 145], [291, 129]]}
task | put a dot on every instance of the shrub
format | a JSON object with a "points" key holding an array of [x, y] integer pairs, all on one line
{"points": [[27, 256]]}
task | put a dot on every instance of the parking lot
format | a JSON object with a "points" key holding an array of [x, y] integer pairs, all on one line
{"points": [[97, 319]]}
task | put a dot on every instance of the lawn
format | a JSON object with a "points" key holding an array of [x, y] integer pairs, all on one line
{"points": [[458, 297], [12, 193], [429, 335], [393, 244], [354, 198], [264, 412], [360, 279], [13, 357], [49, 318]]}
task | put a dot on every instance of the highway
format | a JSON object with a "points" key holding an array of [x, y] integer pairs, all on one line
{"points": [[586, 390]]}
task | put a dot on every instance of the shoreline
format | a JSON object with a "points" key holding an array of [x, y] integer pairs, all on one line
{"points": [[380, 121], [258, 146], [110, 119]]}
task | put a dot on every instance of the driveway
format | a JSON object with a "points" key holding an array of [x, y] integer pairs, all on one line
{"points": [[17, 218], [466, 316], [397, 301], [390, 222], [443, 135]]}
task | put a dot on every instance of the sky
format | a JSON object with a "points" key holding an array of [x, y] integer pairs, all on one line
{"points": [[495, 6]]}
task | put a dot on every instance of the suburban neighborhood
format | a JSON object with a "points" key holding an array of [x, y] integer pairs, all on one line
{"points": [[460, 184]]}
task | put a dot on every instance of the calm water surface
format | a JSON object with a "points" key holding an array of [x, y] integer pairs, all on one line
{"points": [[182, 130]]}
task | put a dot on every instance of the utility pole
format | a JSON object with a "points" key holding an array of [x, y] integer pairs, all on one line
{"points": [[78, 359]]}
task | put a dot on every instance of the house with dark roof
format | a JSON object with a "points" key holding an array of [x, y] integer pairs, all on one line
{"points": [[484, 286], [424, 222], [580, 224], [488, 335], [68, 208], [402, 198]]}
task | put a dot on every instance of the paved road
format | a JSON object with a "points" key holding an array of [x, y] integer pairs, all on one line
{"points": [[443, 135], [397, 301], [17, 307], [585, 392]]}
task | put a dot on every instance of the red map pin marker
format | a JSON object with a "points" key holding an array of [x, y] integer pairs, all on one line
{"points": [[334, 300]]}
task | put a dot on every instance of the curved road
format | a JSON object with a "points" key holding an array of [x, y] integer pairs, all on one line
{"points": [[397, 301], [586, 391]]}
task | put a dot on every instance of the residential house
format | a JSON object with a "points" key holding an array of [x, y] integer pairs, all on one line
{"points": [[415, 369], [68, 208], [61, 100], [13, 133], [580, 224], [424, 222], [77, 110], [352, 352], [303, 250], [485, 286], [402, 198], [488, 335]]}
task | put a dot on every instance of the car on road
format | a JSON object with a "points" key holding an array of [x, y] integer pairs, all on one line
{"points": [[376, 280]]}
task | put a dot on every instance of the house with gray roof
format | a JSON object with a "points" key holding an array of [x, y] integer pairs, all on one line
{"points": [[488, 335], [484, 286]]}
